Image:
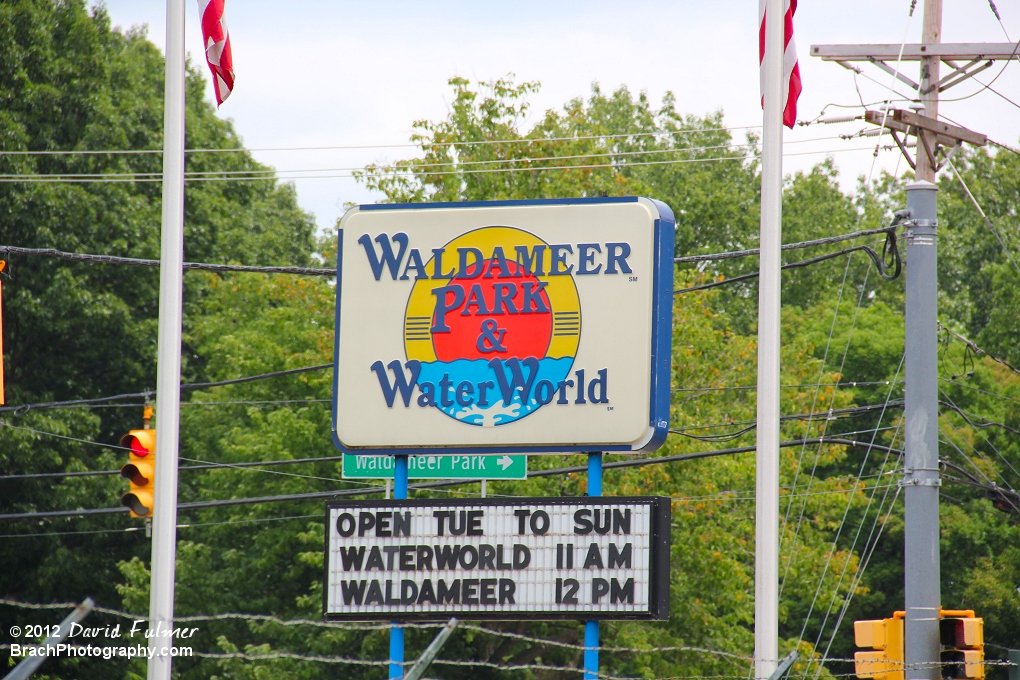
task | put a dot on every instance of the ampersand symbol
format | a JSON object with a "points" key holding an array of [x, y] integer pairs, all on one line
{"points": [[491, 339]]}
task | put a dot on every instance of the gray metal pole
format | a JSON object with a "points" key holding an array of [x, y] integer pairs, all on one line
{"points": [[431, 651], [25, 669], [784, 665], [168, 353], [921, 458]]}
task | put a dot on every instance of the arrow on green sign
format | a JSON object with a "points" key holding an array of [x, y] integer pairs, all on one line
{"points": [[438, 467]]}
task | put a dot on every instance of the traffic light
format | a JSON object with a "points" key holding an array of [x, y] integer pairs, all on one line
{"points": [[885, 636], [962, 637], [141, 471]]}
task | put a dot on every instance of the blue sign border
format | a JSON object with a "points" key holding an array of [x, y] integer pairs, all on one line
{"points": [[662, 330]]}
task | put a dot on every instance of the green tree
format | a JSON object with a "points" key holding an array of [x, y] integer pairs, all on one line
{"points": [[73, 91]]}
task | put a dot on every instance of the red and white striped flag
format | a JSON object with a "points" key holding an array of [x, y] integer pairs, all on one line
{"points": [[791, 70], [216, 40]]}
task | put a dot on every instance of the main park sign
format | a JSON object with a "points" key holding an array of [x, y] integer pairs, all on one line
{"points": [[504, 327]]}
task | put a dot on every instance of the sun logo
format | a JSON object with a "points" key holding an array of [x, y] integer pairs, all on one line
{"points": [[496, 336]]}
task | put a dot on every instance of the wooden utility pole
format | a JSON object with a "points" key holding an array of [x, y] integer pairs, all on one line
{"points": [[931, 34]]}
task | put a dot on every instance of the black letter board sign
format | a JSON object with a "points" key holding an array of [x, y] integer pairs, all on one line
{"points": [[512, 558]]}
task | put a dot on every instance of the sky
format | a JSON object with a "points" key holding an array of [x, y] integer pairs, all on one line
{"points": [[329, 73]]}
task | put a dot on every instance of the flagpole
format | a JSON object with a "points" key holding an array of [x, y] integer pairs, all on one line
{"points": [[766, 572], [168, 364]]}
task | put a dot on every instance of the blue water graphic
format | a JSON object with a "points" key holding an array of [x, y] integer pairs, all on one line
{"points": [[496, 411]]}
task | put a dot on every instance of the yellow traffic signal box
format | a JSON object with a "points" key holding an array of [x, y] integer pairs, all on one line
{"points": [[141, 471], [886, 637], [962, 637]]}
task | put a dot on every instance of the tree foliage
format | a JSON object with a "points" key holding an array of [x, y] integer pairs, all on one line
{"points": [[70, 82]]}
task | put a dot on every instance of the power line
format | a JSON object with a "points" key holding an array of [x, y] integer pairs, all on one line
{"points": [[875, 257], [999, 496], [842, 523], [787, 246], [979, 426], [852, 383], [426, 143], [327, 459], [204, 466], [109, 259], [179, 526], [890, 242], [414, 166], [1003, 146], [830, 414], [995, 11], [317, 495], [978, 389], [63, 436], [981, 212], [139, 262], [978, 350], [361, 174], [25, 408], [972, 423]]}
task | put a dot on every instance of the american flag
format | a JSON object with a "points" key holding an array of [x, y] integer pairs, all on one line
{"points": [[216, 40], [791, 70]]}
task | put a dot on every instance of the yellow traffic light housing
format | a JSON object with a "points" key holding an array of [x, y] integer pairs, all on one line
{"points": [[885, 636], [962, 637], [141, 471]]}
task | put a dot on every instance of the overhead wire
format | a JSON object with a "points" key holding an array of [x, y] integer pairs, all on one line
{"points": [[189, 525], [984, 217], [982, 391], [825, 424], [413, 166], [827, 240], [978, 350], [946, 439], [1003, 499], [207, 465], [995, 11], [891, 90], [870, 543], [948, 402], [874, 256], [141, 262], [970, 418], [21, 409], [415, 144], [434, 173], [319, 495], [860, 526], [849, 383]]}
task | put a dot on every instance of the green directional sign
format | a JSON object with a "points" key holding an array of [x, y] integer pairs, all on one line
{"points": [[446, 466]]}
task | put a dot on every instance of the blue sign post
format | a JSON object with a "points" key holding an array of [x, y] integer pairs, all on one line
{"points": [[591, 628], [397, 632]]}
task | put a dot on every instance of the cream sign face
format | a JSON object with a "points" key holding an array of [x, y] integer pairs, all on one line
{"points": [[517, 326]]}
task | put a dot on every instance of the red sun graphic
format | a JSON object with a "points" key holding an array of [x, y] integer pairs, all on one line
{"points": [[493, 315]]}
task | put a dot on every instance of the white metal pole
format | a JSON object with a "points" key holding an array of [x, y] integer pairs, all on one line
{"points": [[168, 366], [766, 571]]}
